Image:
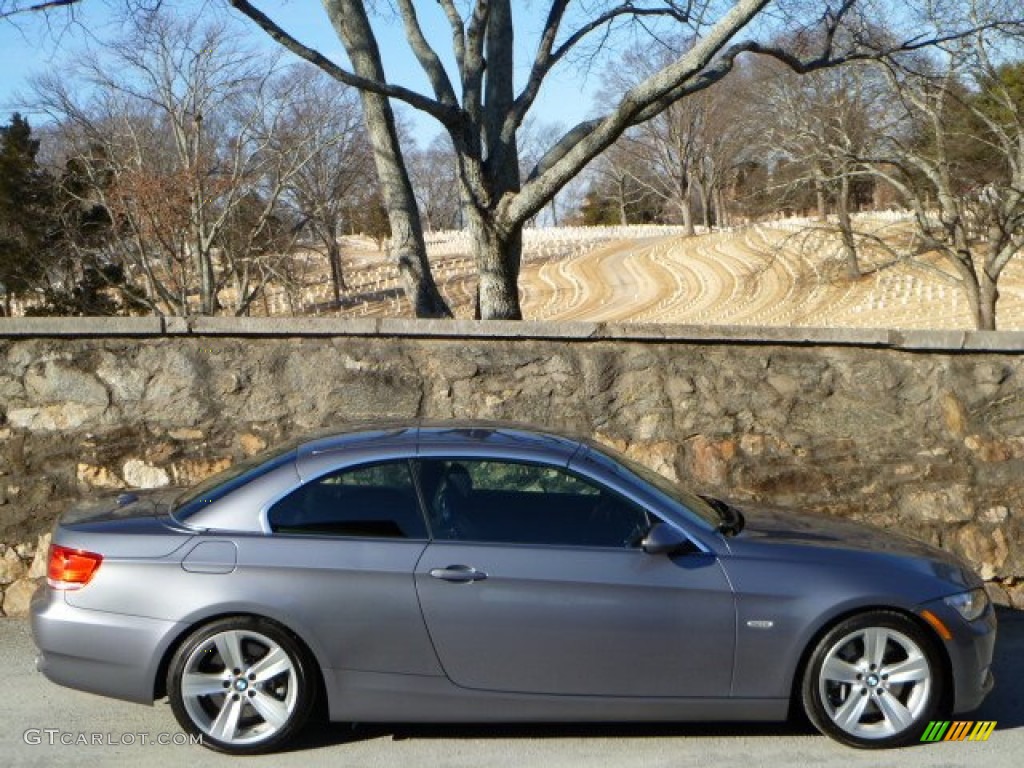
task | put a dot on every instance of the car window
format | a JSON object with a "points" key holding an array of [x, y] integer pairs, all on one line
{"points": [[525, 478], [394, 475], [523, 503], [375, 501]]}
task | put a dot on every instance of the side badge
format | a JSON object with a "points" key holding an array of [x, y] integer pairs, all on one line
{"points": [[761, 624]]}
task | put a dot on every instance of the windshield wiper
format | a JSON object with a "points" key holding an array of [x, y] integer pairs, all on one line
{"points": [[732, 519]]}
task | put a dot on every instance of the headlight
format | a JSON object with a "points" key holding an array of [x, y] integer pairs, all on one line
{"points": [[970, 605]]}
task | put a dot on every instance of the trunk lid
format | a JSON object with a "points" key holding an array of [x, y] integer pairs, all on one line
{"points": [[128, 525], [121, 506]]}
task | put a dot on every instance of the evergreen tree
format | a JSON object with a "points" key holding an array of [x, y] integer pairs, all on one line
{"points": [[25, 202]]}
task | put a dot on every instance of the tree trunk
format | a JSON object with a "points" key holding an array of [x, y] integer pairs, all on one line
{"points": [[207, 282], [240, 285], [409, 252], [705, 208], [846, 230], [337, 275], [972, 288], [498, 258], [499, 244], [408, 249], [822, 202], [623, 213], [988, 297], [721, 212], [686, 211]]}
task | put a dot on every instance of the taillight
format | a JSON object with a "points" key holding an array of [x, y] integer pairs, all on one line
{"points": [[71, 568]]}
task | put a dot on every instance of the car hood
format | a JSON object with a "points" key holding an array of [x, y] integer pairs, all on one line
{"points": [[766, 525]]}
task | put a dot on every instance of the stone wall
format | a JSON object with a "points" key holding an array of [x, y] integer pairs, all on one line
{"points": [[918, 431]]}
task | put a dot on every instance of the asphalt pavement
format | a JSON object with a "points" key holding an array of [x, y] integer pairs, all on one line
{"points": [[36, 716]]}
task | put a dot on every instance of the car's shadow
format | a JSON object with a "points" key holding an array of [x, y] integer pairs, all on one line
{"points": [[1004, 705], [333, 734]]}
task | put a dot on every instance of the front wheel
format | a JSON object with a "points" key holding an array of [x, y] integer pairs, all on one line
{"points": [[243, 684], [874, 681]]}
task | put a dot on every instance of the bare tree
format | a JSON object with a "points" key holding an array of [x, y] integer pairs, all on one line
{"points": [[822, 123], [614, 178], [795, 117], [435, 180], [175, 127], [727, 146], [326, 189], [406, 237], [477, 102], [666, 150], [408, 248], [686, 152], [960, 165]]}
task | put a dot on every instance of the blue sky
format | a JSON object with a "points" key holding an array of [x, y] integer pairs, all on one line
{"points": [[33, 46]]}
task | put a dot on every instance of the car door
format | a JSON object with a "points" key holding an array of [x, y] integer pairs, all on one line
{"points": [[340, 560], [534, 583]]}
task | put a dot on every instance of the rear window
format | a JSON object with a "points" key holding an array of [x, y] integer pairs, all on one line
{"points": [[372, 501], [219, 485]]}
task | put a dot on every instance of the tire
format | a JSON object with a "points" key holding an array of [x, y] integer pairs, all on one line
{"points": [[874, 681], [245, 685]]}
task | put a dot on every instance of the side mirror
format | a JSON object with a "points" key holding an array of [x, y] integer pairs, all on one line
{"points": [[665, 539]]}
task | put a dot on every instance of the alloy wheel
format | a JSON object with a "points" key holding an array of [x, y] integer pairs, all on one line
{"points": [[875, 683], [239, 687]]}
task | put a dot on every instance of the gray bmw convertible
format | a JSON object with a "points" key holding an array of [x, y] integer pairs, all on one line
{"points": [[483, 573]]}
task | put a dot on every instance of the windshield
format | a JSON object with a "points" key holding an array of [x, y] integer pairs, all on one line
{"points": [[220, 484], [692, 502]]}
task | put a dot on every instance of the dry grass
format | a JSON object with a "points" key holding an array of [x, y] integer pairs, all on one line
{"points": [[779, 274]]}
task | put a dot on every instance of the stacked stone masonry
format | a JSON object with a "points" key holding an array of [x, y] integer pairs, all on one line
{"points": [[919, 432]]}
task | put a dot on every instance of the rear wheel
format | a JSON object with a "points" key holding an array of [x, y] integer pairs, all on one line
{"points": [[243, 684], [874, 681]]}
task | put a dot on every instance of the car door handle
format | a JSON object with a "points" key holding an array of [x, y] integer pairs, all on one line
{"points": [[461, 574]]}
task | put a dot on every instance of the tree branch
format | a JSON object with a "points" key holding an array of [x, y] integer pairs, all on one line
{"points": [[827, 57], [44, 6], [547, 56], [643, 111], [445, 113], [473, 72], [426, 55], [458, 33], [541, 66]]}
